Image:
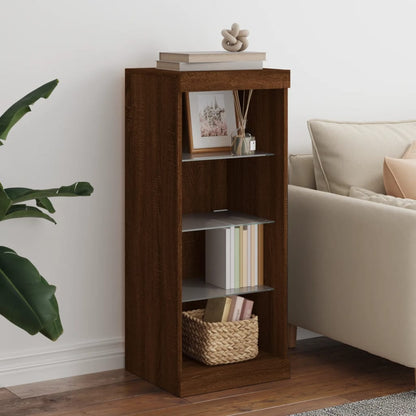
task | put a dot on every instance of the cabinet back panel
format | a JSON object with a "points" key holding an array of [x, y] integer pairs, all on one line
{"points": [[193, 255], [204, 186]]}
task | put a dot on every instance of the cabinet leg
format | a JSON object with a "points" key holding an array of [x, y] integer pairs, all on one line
{"points": [[292, 331]]}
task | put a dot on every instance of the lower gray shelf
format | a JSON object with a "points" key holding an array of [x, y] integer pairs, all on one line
{"points": [[197, 289]]}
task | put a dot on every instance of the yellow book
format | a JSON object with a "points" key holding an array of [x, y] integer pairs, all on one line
{"points": [[240, 255], [227, 307], [243, 255], [217, 309]]}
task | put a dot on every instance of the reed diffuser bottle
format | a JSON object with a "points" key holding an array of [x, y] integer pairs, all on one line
{"points": [[242, 142]]}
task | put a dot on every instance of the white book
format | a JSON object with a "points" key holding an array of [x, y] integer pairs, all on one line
{"points": [[232, 263], [211, 56], [217, 257], [209, 66], [248, 254]]}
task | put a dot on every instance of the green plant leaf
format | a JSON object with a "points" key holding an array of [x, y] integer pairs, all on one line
{"points": [[52, 329], [45, 203], [26, 298], [25, 194], [25, 211], [21, 107], [5, 202]]}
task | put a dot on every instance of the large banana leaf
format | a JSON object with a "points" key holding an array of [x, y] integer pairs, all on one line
{"points": [[18, 195], [5, 202], [25, 211], [11, 199], [21, 107], [26, 298]]}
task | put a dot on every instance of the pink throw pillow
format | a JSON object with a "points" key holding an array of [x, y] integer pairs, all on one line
{"points": [[400, 174], [410, 152]]}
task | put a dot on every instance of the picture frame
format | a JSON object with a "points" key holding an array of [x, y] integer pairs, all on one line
{"points": [[211, 120]]}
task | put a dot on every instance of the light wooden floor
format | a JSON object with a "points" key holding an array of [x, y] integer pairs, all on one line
{"points": [[324, 373]]}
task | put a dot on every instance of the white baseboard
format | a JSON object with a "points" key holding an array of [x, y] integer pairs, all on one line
{"points": [[304, 334], [55, 363]]}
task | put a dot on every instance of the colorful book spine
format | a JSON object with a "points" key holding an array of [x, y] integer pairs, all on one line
{"points": [[260, 254], [253, 255], [217, 309], [235, 308], [248, 254], [236, 257], [231, 282], [246, 309], [245, 257]]}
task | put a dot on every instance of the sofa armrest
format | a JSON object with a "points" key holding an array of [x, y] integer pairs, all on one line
{"points": [[352, 272]]}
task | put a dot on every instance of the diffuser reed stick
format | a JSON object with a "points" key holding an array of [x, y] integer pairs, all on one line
{"points": [[242, 111]]}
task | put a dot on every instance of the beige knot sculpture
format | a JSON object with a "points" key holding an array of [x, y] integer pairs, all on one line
{"points": [[235, 40]]}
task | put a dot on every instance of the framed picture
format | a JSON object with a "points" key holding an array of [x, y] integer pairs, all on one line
{"points": [[211, 119]]}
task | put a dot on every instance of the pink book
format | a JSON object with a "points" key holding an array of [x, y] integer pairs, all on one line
{"points": [[235, 308], [246, 309]]}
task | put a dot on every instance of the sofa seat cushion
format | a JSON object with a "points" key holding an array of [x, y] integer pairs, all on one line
{"points": [[352, 154], [368, 195]]}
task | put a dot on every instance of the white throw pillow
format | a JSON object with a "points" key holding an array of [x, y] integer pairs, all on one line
{"points": [[352, 154], [367, 195]]}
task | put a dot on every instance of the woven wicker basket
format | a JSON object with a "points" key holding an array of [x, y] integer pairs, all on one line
{"points": [[215, 343]]}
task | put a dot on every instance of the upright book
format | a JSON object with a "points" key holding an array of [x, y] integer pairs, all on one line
{"points": [[231, 283], [235, 308], [218, 257], [211, 56], [260, 269], [244, 257], [254, 255], [236, 257], [246, 309]]}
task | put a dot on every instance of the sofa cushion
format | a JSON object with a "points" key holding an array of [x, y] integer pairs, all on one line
{"points": [[410, 152], [352, 154], [400, 174], [367, 195], [301, 171], [400, 177]]}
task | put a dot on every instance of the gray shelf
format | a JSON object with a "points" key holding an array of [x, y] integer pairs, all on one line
{"points": [[218, 219], [197, 289], [188, 157]]}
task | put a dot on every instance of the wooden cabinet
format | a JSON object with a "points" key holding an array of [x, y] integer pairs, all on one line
{"points": [[163, 186]]}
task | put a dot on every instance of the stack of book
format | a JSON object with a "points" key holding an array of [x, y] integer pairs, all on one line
{"points": [[230, 308], [210, 61], [234, 256]]}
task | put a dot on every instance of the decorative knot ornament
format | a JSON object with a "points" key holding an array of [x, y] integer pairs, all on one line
{"points": [[235, 40]]}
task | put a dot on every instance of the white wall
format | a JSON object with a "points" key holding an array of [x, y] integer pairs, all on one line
{"points": [[350, 60]]}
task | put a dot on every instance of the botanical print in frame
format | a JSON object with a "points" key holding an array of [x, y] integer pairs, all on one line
{"points": [[211, 118]]}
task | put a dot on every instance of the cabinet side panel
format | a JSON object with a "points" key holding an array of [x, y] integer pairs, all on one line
{"points": [[153, 228]]}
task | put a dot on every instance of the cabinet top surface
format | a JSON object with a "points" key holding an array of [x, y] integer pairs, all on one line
{"points": [[209, 80]]}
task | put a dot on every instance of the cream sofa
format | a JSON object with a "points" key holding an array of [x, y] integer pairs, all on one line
{"points": [[352, 268]]}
